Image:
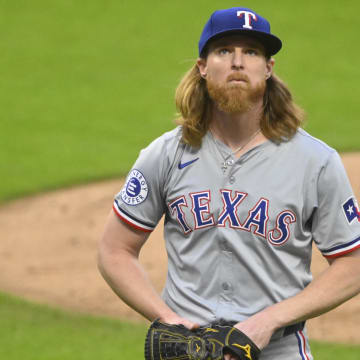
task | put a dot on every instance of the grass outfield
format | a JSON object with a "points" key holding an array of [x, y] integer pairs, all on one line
{"points": [[85, 85], [34, 332]]}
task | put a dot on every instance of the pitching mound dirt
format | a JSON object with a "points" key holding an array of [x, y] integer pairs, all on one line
{"points": [[48, 254]]}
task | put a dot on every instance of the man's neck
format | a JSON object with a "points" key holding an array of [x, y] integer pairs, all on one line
{"points": [[236, 129]]}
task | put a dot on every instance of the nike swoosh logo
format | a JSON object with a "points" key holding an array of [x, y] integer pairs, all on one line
{"points": [[185, 164]]}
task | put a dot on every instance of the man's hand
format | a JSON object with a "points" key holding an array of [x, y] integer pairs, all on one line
{"points": [[259, 328], [174, 319]]}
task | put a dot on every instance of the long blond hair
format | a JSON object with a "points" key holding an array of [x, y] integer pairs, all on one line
{"points": [[281, 118]]}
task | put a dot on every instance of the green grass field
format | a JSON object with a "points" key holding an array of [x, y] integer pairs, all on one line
{"points": [[85, 85], [34, 332]]}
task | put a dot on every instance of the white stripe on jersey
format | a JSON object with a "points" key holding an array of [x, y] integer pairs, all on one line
{"points": [[302, 345], [129, 220], [342, 249]]}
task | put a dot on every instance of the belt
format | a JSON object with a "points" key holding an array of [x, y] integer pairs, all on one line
{"points": [[278, 334], [288, 330]]}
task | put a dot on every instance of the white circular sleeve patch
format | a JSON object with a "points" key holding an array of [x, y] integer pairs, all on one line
{"points": [[135, 190]]}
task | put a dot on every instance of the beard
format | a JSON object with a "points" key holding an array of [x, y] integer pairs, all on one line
{"points": [[235, 97]]}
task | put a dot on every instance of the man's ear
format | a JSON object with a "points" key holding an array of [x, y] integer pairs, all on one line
{"points": [[201, 64], [269, 68]]}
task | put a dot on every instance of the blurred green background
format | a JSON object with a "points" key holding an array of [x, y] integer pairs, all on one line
{"points": [[86, 84]]}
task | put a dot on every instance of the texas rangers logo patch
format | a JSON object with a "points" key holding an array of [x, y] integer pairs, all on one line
{"points": [[135, 190], [351, 210]]}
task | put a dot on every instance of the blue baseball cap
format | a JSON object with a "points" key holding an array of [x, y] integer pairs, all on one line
{"points": [[239, 20]]}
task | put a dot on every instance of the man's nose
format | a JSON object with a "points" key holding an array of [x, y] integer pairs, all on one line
{"points": [[238, 60]]}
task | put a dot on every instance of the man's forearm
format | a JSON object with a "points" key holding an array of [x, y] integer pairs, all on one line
{"points": [[129, 281], [337, 284], [118, 261]]}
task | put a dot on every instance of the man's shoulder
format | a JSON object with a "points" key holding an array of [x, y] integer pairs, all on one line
{"points": [[304, 151], [166, 140], [173, 135], [303, 137], [163, 149], [308, 145]]}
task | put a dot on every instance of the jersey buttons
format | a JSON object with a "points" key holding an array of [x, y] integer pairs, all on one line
{"points": [[226, 286], [231, 179], [227, 290]]}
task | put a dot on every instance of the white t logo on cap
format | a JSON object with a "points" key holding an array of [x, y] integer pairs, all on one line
{"points": [[247, 15]]}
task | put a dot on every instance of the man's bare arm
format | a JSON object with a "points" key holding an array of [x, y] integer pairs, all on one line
{"points": [[337, 284], [118, 262]]}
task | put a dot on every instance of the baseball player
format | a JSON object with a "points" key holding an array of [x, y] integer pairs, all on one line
{"points": [[245, 193]]}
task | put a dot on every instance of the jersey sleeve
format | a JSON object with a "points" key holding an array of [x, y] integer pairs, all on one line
{"points": [[140, 203], [336, 221]]}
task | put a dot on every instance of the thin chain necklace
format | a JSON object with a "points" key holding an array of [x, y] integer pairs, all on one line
{"points": [[226, 162]]}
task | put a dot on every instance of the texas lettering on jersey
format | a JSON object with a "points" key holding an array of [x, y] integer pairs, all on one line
{"points": [[256, 220]]}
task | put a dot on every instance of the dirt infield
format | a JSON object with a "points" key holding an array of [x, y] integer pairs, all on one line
{"points": [[48, 254]]}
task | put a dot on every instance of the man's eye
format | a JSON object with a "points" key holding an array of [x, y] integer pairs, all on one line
{"points": [[224, 51], [252, 52]]}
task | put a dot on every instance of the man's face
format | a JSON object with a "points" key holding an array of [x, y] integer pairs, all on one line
{"points": [[236, 70]]}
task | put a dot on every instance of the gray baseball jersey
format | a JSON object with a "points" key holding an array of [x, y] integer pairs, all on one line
{"points": [[240, 239]]}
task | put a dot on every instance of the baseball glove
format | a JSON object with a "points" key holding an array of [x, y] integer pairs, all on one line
{"points": [[176, 342]]}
